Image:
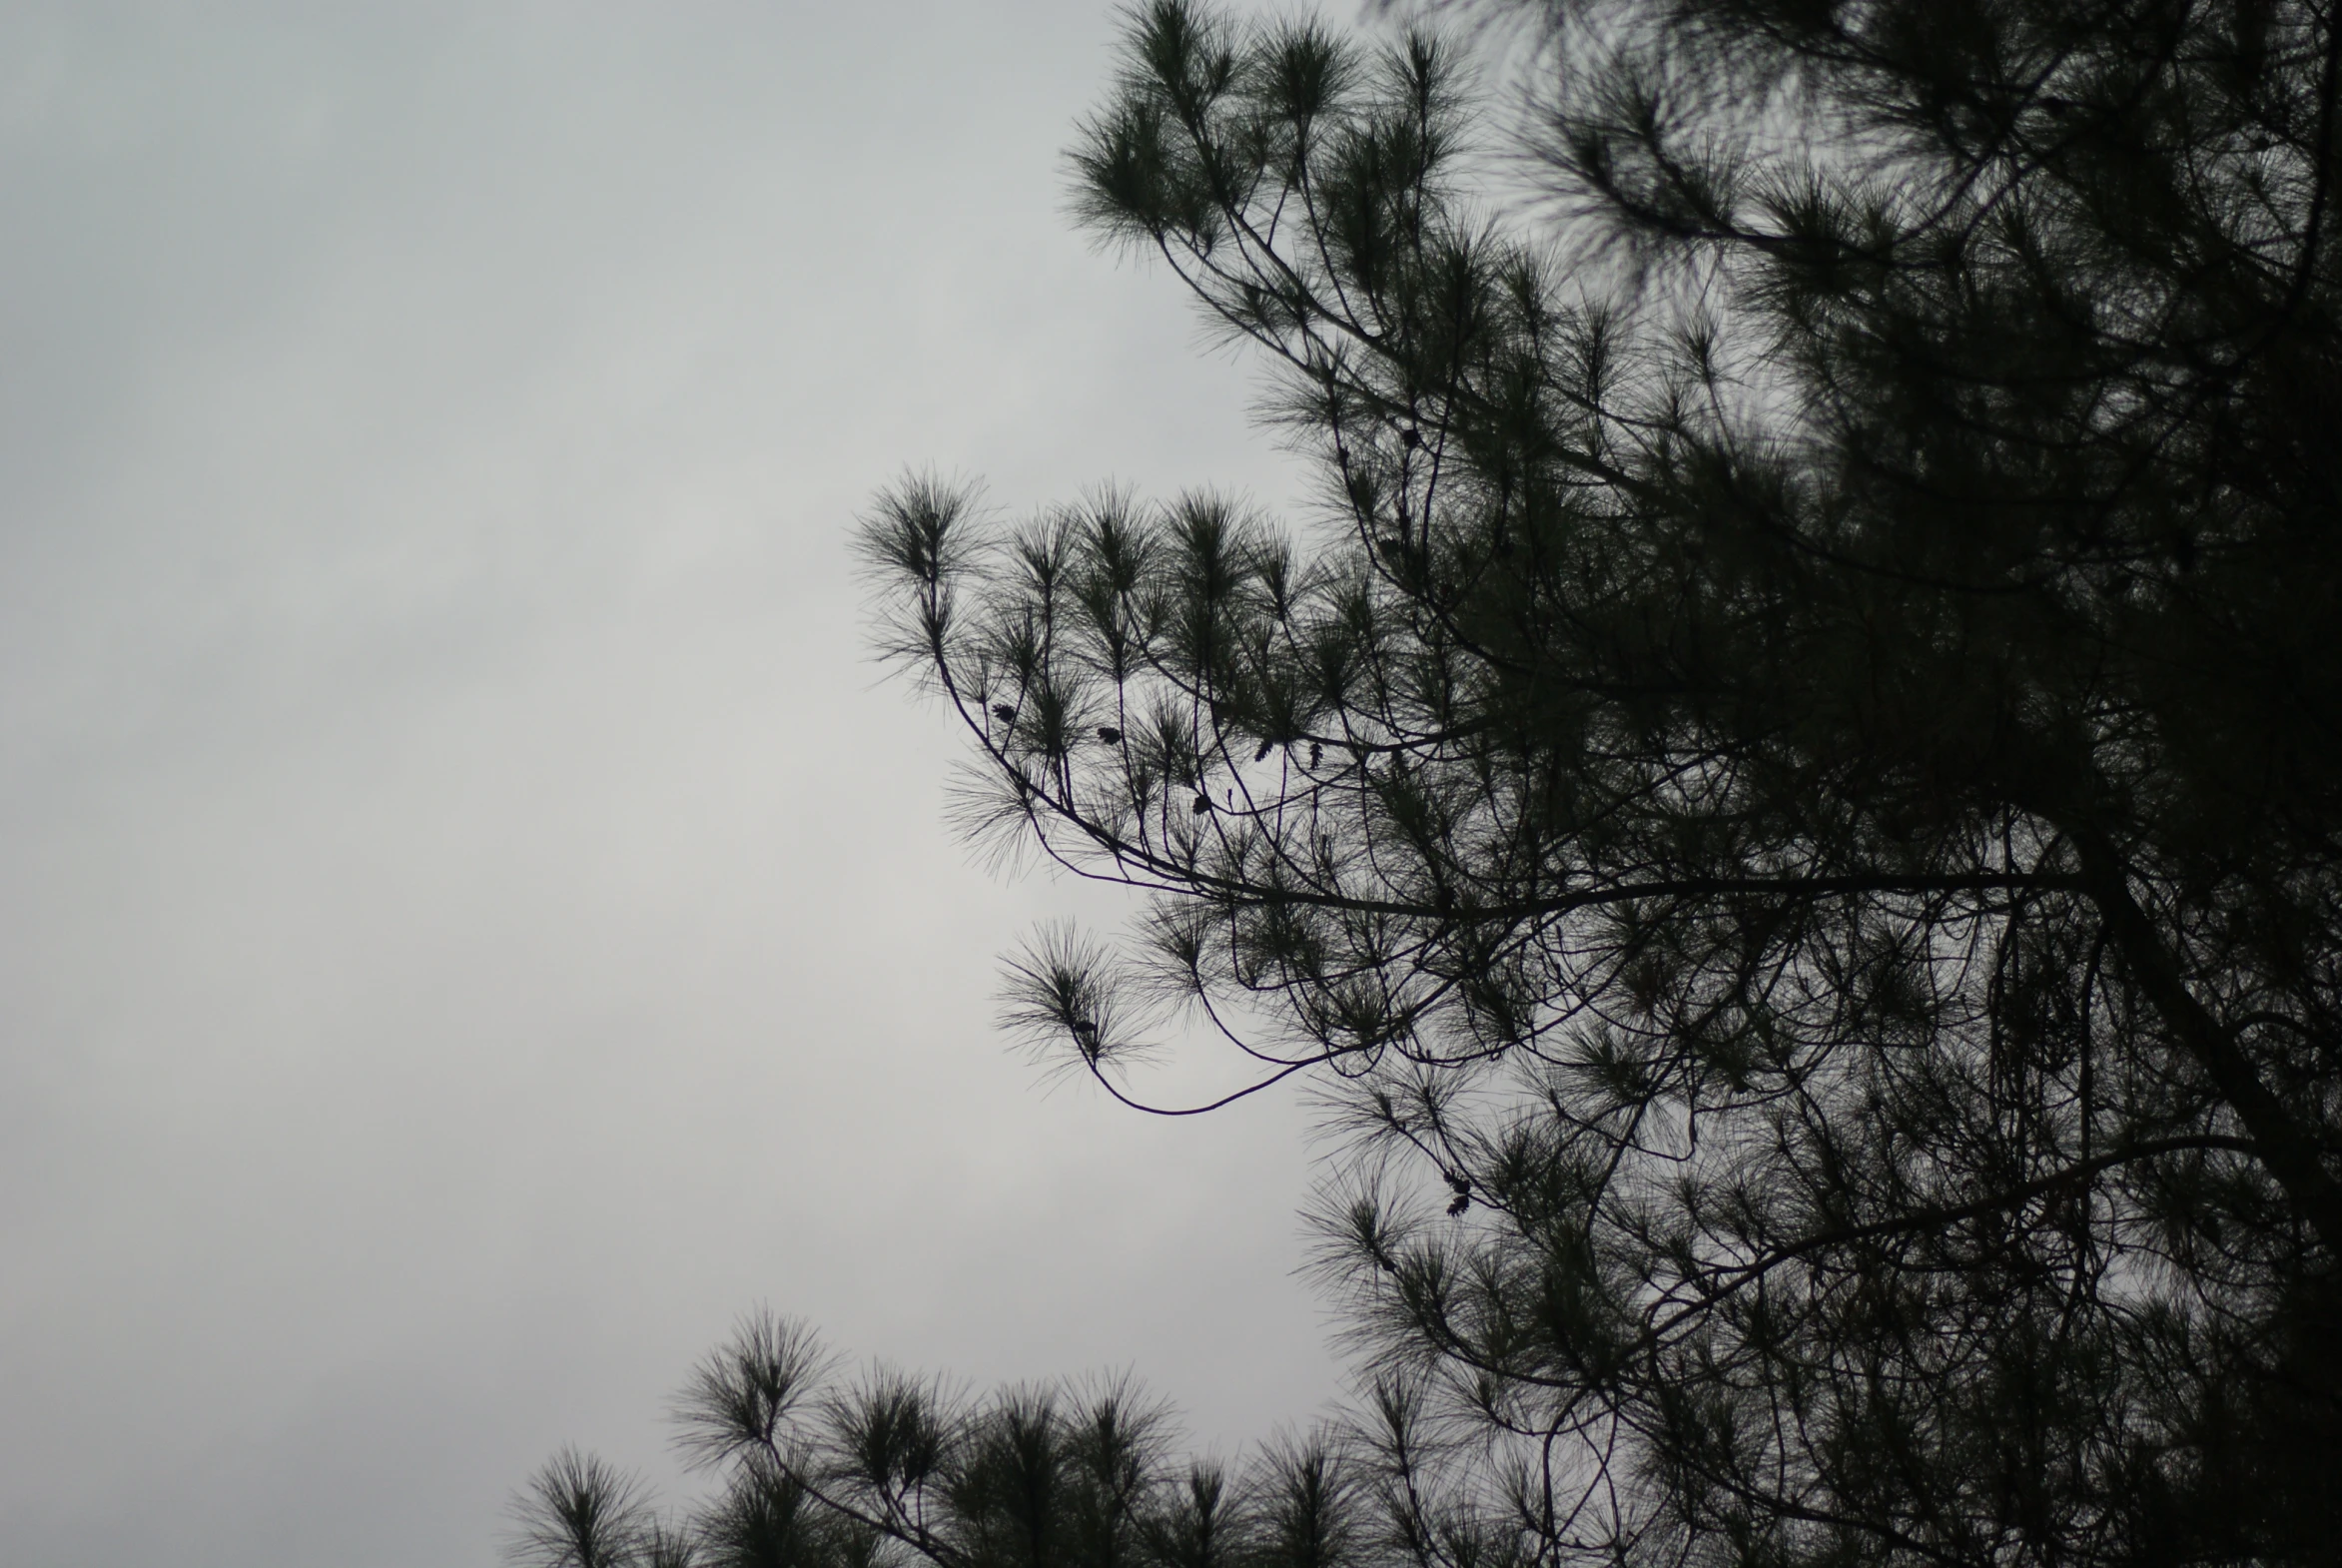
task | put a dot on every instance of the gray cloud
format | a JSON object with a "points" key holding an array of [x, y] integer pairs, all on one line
{"points": [[471, 920]]}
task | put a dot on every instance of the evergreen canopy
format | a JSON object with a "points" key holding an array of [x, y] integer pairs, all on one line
{"points": [[1797, 797], [1793, 800]]}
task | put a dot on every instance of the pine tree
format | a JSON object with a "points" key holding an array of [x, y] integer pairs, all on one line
{"points": [[1791, 798], [818, 1471]]}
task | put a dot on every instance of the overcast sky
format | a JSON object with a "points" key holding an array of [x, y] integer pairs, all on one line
{"points": [[472, 920]]}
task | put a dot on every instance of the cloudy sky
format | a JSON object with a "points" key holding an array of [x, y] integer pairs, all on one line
{"points": [[472, 919]]}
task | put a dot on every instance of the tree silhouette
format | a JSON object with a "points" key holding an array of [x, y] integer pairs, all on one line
{"points": [[817, 1471], [1790, 799]]}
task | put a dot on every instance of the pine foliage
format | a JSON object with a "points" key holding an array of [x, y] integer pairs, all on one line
{"points": [[889, 1470], [1792, 800]]}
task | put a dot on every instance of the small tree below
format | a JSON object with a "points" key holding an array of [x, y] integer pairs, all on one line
{"points": [[815, 1471]]}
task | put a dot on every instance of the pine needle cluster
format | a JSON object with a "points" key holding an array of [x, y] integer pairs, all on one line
{"points": [[1791, 798]]}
